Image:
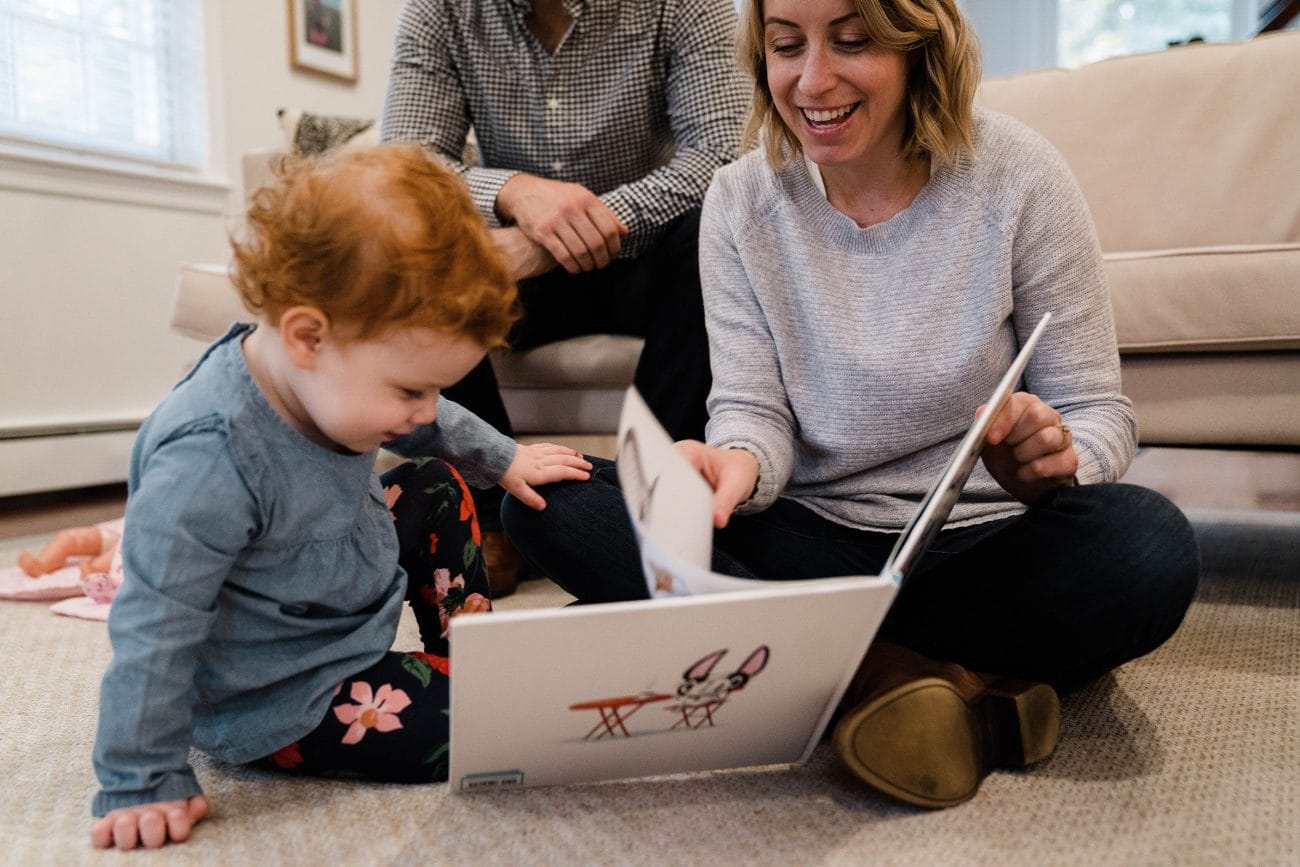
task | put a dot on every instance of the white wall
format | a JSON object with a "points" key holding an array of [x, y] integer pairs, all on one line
{"points": [[89, 258], [257, 79]]}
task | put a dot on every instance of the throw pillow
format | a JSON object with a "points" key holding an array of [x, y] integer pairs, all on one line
{"points": [[308, 134]]}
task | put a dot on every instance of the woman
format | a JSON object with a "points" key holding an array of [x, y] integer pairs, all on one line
{"points": [[869, 274]]}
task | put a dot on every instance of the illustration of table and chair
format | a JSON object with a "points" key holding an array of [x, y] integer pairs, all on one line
{"points": [[614, 712]]}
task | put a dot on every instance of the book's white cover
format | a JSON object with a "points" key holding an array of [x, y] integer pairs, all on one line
{"points": [[517, 677], [717, 672]]}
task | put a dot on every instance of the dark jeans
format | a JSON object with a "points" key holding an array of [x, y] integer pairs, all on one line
{"points": [[1084, 581], [655, 296]]}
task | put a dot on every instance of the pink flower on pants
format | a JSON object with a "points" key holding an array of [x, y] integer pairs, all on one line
{"points": [[372, 711]]}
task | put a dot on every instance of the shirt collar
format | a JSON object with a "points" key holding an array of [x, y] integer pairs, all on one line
{"points": [[573, 7]]}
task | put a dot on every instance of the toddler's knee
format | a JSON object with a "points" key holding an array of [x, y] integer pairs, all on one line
{"points": [[427, 471]]}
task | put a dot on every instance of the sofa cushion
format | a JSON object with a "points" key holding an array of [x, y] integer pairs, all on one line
{"points": [[1215, 398], [1237, 298], [1188, 147], [595, 360]]}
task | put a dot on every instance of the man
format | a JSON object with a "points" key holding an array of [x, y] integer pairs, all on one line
{"points": [[599, 125]]}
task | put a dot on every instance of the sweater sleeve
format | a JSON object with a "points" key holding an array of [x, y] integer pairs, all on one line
{"points": [[1057, 266], [747, 405], [426, 101], [188, 517], [480, 452], [707, 98]]}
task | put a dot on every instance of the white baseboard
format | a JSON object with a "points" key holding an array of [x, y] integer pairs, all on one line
{"points": [[51, 463]]}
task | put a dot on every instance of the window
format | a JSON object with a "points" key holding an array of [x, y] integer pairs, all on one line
{"points": [[116, 77], [1089, 30], [1017, 35]]}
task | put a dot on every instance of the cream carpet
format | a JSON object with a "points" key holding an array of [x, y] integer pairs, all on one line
{"points": [[1190, 756]]}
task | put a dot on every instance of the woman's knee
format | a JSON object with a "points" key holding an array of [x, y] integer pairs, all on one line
{"points": [[1143, 572], [571, 506], [583, 540], [1152, 541]]}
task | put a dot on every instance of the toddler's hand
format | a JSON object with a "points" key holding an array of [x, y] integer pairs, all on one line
{"points": [[541, 464], [148, 825]]}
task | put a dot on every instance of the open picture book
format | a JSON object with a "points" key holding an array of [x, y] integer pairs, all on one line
{"points": [[711, 672]]}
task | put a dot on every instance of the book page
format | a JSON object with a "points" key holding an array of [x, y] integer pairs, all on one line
{"points": [[671, 508]]}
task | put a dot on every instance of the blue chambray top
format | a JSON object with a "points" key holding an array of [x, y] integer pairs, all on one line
{"points": [[260, 572]]}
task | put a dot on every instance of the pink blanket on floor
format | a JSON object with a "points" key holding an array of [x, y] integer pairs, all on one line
{"points": [[64, 584], [60, 584]]}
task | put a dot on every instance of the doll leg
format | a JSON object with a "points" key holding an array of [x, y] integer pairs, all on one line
{"points": [[440, 546], [100, 562], [73, 542]]}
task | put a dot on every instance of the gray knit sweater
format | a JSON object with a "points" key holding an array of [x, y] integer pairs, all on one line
{"points": [[851, 360]]}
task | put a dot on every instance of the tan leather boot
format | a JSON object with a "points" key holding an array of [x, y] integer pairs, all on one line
{"points": [[505, 565], [928, 732]]}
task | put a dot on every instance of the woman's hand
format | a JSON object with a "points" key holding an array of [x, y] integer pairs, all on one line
{"points": [[1028, 449], [541, 464], [731, 473], [148, 825]]}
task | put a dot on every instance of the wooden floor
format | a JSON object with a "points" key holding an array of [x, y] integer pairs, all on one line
{"points": [[1192, 478], [1211, 479]]}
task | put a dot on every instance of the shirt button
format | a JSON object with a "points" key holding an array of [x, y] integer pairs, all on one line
{"points": [[557, 166], [552, 103]]}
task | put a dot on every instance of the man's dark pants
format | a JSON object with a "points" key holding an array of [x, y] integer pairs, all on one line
{"points": [[655, 296]]}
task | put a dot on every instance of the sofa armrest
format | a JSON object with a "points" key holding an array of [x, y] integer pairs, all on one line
{"points": [[205, 303]]}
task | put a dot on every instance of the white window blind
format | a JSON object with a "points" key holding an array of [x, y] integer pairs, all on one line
{"points": [[116, 77], [1091, 30]]}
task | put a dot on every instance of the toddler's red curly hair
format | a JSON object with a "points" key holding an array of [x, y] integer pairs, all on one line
{"points": [[376, 238]]}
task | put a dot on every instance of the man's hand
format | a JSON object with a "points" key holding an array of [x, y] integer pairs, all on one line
{"points": [[148, 825], [524, 257], [731, 473], [579, 230], [1028, 449], [541, 464]]}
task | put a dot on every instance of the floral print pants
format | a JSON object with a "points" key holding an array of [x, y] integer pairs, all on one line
{"points": [[390, 722]]}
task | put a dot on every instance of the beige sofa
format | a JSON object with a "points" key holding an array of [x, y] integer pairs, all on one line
{"points": [[1188, 159]]}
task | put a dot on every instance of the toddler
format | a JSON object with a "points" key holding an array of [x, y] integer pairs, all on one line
{"points": [[266, 564]]}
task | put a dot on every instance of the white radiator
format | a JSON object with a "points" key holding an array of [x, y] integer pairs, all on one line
{"points": [[59, 457]]}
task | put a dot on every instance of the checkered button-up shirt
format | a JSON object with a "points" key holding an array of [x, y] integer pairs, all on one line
{"points": [[640, 103]]}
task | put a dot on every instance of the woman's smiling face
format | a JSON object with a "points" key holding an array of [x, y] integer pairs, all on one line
{"points": [[843, 95]]}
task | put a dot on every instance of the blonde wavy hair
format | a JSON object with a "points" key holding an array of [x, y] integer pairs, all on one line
{"points": [[376, 238], [943, 72]]}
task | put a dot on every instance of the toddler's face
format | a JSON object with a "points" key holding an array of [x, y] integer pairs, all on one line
{"points": [[364, 393]]}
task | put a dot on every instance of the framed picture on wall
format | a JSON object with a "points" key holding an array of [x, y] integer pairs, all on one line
{"points": [[323, 37]]}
